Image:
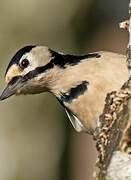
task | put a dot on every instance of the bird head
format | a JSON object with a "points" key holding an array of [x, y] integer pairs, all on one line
{"points": [[36, 69], [27, 72]]}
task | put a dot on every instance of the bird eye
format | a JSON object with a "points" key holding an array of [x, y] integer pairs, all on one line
{"points": [[24, 63]]}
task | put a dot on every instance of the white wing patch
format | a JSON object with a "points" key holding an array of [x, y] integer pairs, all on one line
{"points": [[75, 121]]}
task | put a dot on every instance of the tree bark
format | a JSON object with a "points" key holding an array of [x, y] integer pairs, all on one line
{"points": [[113, 137]]}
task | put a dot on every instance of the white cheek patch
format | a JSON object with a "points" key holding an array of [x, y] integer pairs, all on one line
{"points": [[32, 63], [38, 57]]}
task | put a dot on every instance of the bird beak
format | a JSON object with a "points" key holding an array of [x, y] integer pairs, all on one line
{"points": [[12, 87]]}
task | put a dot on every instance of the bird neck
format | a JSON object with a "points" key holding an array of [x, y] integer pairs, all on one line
{"points": [[68, 72], [67, 84], [65, 72]]}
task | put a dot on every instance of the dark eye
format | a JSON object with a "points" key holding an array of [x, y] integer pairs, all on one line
{"points": [[24, 63]]}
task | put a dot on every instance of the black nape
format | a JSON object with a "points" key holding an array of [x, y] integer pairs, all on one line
{"points": [[62, 60]]}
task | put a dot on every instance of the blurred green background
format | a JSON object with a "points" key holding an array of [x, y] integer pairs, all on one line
{"points": [[37, 141]]}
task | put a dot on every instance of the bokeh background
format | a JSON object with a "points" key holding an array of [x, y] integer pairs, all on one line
{"points": [[37, 141]]}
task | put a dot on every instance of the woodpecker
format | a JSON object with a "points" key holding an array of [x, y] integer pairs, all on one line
{"points": [[80, 83]]}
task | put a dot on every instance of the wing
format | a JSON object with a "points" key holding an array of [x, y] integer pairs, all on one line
{"points": [[75, 121]]}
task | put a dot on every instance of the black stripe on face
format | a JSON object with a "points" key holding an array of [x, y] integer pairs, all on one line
{"points": [[34, 73], [74, 92], [62, 60], [16, 58]]}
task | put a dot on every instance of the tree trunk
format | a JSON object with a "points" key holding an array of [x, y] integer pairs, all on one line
{"points": [[113, 138]]}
